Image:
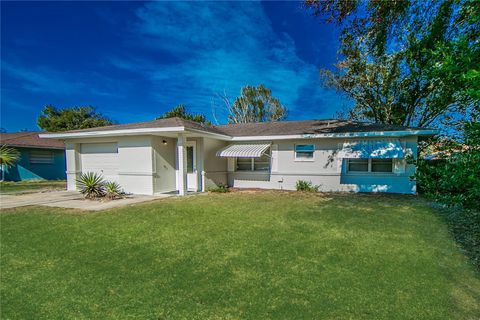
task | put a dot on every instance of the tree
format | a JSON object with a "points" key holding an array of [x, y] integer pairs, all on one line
{"points": [[53, 119], [405, 62], [180, 111], [8, 157], [255, 104]]}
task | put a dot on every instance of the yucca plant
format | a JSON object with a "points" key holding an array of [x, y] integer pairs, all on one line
{"points": [[8, 157], [113, 190], [91, 185]]}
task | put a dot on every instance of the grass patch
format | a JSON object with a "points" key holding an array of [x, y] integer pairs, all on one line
{"points": [[12, 187], [464, 224], [263, 255]]}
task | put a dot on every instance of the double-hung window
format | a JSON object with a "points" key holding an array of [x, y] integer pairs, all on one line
{"points": [[370, 165], [304, 152], [261, 164]]}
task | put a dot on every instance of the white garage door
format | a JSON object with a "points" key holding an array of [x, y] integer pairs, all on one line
{"points": [[101, 158]]}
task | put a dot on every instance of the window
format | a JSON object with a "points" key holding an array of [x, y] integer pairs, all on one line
{"points": [[41, 157], [190, 166], [254, 164], [358, 165], [370, 165], [244, 164], [381, 165], [262, 163], [304, 152]]}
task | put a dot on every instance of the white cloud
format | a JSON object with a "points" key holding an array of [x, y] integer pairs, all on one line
{"points": [[221, 47]]}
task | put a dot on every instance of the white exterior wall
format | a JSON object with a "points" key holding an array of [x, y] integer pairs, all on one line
{"points": [[164, 164], [325, 170], [72, 157], [147, 166], [135, 157], [136, 164], [215, 168]]}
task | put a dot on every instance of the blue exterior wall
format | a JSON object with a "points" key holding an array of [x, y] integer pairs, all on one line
{"points": [[24, 170]]}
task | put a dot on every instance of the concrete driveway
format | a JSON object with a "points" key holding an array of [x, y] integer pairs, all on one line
{"points": [[37, 198], [69, 199]]}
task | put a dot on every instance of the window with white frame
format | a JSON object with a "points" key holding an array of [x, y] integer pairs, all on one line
{"points": [[304, 152], [261, 164], [370, 165], [41, 157]]}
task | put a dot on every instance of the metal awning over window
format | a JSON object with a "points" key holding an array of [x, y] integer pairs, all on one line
{"points": [[365, 149], [243, 150]]}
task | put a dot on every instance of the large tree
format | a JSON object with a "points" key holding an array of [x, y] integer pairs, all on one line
{"points": [[255, 104], [53, 119], [405, 62], [180, 111]]}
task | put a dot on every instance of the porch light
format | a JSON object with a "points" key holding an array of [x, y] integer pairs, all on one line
{"points": [[164, 142]]}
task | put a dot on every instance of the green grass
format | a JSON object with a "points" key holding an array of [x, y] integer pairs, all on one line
{"points": [[11, 187], [267, 255]]}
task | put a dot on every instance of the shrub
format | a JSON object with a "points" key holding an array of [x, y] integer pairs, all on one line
{"points": [[91, 185], [220, 189], [453, 181], [113, 190], [307, 186]]}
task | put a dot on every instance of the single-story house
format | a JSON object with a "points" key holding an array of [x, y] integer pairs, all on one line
{"points": [[40, 159], [174, 154]]}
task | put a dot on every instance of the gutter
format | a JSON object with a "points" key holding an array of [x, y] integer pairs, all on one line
{"points": [[377, 134], [129, 132]]}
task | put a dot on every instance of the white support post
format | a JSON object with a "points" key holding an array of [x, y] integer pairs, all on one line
{"points": [[181, 165]]}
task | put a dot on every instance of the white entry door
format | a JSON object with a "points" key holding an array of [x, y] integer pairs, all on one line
{"points": [[192, 178]]}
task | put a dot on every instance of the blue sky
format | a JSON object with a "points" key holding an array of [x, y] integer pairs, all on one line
{"points": [[135, 60]]}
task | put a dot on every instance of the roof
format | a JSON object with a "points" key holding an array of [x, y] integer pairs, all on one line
{"points": [[307, 127], [160, 123], [245, 130], [29, 139]]}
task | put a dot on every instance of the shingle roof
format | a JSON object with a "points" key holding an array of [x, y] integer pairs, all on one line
{"points": [[306, 127], [261, 128], [29, 139], [160, 123]]}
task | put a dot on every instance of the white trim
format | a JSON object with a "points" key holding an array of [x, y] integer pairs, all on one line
{"points": [[224, 137], [340, 135], [246, 138], [110, 132]]}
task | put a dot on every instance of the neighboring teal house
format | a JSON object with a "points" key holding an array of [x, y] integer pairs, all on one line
{"points": [[40, 159]]}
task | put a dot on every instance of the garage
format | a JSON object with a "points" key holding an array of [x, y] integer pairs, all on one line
{"points": [[101, 158]]}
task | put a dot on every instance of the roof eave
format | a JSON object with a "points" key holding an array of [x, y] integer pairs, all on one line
{"points": [[111, 133], [377, 134], [32, 146]]}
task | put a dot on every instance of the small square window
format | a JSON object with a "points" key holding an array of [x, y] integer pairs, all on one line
{"points": [[304, 151]]}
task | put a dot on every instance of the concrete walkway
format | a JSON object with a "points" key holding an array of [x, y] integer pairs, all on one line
{"points": [[70, 199]]}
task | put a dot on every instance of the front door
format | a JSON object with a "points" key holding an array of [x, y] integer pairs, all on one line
{"points": [[192, 178]]}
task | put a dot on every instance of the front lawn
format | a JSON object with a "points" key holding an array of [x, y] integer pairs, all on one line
{"points": [[267, 255], [12, 187]]}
